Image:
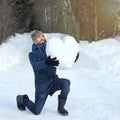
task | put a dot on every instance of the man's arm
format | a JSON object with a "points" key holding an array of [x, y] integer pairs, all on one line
{"points": [[36, 63]]}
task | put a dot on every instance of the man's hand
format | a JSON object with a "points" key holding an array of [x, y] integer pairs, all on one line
{"points": [[52, 61]]}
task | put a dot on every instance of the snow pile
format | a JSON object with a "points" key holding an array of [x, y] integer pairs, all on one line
{"points": [[104, 55], [65, 50], [15, 51]]}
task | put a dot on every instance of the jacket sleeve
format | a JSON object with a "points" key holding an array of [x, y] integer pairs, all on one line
{"points": [[36, 63]]}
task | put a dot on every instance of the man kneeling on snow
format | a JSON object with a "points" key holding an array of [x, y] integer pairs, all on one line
{"points": [[47, 81]]}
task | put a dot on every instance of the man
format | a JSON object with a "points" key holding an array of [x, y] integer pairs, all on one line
{"points": [[47, 81]]}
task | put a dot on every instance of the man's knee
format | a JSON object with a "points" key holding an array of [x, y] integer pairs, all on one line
{"points": [[67, 82], [66, 85], [39, 104], [37, 112]]}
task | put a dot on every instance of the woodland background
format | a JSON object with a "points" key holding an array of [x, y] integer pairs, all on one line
{"points": [[90, 20]]}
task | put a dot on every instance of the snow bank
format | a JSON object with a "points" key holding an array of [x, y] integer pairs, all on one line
{"points": [[104, 55], [15, 51]]}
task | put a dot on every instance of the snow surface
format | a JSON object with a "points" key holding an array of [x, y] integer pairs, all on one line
{"points": [[95, 81]]}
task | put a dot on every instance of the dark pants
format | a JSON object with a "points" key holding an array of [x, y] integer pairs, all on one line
{"points": [[36, 108]]}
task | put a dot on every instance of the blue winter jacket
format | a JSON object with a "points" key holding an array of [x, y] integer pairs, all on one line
{"points": [[45, 76]]}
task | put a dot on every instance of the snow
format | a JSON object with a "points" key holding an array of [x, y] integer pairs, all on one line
{"points": [[67, 45], [95, 81]]}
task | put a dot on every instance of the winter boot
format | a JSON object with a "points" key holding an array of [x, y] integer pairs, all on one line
{"points": [[61, 104], [20, 102]]}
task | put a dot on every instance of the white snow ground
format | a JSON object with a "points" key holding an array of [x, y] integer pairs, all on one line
{"points": [[95, 78]]}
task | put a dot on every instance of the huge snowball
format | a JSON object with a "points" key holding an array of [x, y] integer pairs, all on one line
{"points": [[64, 49]]}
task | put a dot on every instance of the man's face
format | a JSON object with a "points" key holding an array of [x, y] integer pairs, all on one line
{"points": [[40, 39]]}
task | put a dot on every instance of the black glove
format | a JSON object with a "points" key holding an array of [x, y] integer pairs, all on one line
{"points": [[52, 61]]}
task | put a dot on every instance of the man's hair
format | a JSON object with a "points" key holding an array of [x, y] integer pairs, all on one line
{"points": [[34, 34]]}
